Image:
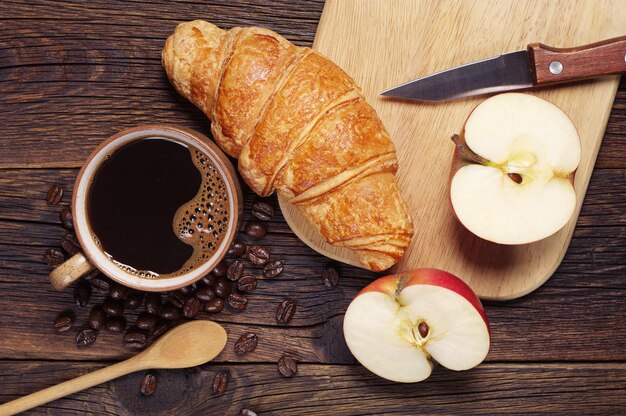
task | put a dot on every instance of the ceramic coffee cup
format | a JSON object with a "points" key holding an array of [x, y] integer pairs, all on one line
{"points": [[94, 257]]}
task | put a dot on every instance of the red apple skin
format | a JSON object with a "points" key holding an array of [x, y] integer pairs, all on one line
{"points": [[391, 283]]}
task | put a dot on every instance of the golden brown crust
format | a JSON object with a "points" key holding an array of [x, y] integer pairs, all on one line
{"points": [[298, 124]]}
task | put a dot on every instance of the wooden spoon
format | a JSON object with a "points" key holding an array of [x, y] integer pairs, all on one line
{"points": [[187, 345]]}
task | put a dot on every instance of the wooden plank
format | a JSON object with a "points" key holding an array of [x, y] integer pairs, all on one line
{"points": [[337, 390]]}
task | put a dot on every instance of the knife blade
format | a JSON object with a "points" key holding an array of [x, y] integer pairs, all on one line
{"points": [[538, 65]]}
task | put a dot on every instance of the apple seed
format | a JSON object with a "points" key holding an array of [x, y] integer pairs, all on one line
{"points": [[515, 177], [422, 328]]}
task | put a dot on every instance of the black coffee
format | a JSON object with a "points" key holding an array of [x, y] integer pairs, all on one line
{"points": [[158, 208]]}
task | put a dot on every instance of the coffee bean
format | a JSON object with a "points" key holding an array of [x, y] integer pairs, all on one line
{"points": [[330, 276], [188, 290], [205, 293], [55, 193], [285, 311], [176, 298], [82, 293], [247, 283], [246, 343], [287, 366], [169, 312], [115, 324], [235, 270], [160, 328], [273, 268], [209, 279], [100, 284], [133, 301], [146, 321], [221, 269], [66, 219], [246, 412], [53, 257], [63, 322], [70, 244], [214, 306], [237, 249], [258, 255], [97, 317], [153, 303], [255, 230], [118, 291], [148, 384], [237, 301], [113, 307], [135, 338], [86, 337], [222, 288], [263, 210], [191, 308], [220, 382]]}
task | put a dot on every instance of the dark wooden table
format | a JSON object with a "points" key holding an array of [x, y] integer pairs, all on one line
{"points": [[74, 72]]}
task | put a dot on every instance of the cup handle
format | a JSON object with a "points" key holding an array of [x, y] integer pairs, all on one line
{"points": [[70, 271]]}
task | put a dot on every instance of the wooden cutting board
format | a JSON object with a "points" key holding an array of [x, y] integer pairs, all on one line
{"points": [[384, 43]]}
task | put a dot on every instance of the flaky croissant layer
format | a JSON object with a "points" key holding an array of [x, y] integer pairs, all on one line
{"points": [[298, 124]]}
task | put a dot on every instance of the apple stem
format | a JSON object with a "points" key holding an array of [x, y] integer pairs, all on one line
{"points": [[467, 153]]}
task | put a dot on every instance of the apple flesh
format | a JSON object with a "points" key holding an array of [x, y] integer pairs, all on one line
{"points": [[398, 324], [513, 169]]}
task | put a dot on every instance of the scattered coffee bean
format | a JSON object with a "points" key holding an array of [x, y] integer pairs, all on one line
{"points": [[246, 283], [237, 249], [169, 312], [285, 311], [135, 338], [221, 269], [188, 290], [146, 321], [115, 324], [55, 193], [287, 366], [100, 284], [205, 293], [97, 318], [246, 343], [214, 306], [70, 244], [263, 210], [246, 412], [160, 328], [66, 219], [191, 308], [113, 307], [273, 268], [53, 257], [330, 276], [235, 270], [255, 229], [258, 255], [237, 301], [209, 279], [82, 293], [222, 288], [86, 337], [220, 382], [176, 298], [133, 301], [148, 384], [63, 322], [118, 291], [153, 303]]}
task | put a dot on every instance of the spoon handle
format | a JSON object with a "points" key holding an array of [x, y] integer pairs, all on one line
{"points": [[71, 386]]}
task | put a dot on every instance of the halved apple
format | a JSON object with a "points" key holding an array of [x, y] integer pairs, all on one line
{"points": [[513, 169], [397, 325]]}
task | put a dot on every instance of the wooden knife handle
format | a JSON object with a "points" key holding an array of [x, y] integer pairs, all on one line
{"points": [[553, 65]]}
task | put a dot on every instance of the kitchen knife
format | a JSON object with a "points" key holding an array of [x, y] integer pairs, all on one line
{"points": [[537, 66]]}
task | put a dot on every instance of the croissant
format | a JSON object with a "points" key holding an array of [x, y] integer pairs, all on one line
{"points": [[298, 124]]}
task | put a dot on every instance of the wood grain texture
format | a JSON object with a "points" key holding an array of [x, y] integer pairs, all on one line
{"points": [[431, 36]]}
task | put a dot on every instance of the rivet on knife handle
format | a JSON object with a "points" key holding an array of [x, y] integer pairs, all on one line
{"points": [[553, 65]]}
